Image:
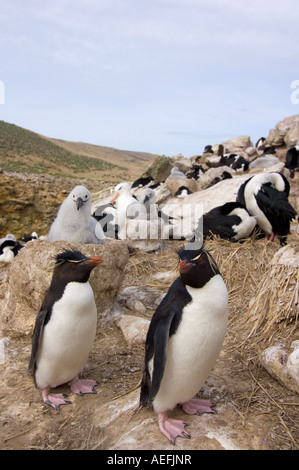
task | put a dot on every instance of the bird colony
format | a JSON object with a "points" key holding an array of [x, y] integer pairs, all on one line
{"points": [[188, 327]]}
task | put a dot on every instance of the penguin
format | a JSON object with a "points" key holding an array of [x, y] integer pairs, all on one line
{"points": [[292, 160], [260, 144], [142, 181], [9, 248], [182, 192], [28, 238], [184, 340], [265, 196], [231, 221], [74, 222], [122, 198], [106, 215], [236, 162], [176, 174], [65, 328]]}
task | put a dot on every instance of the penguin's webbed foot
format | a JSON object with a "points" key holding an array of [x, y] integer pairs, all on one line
{"points": [[54, 399], [172, 428], [81, 387], [196, 406]]}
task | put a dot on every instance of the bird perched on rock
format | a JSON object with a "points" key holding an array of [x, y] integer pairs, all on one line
{"points": [[231, 221], [184, 339], [123, 200], [74, 222], [65, 328], [9, 248], [265, 196]]}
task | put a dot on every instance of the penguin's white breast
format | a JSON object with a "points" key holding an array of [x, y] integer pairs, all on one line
{"points": [[68, 336], [193, 349]]}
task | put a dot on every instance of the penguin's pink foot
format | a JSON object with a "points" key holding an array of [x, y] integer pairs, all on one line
{"points": [[195, 406], [172, 428], [54, 399], [270, 237], [81, 387]]}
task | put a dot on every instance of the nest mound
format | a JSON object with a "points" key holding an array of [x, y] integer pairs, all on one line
{"points": [[263, 281]]}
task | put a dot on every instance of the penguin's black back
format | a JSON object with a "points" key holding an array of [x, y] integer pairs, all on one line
{"points": [[164, 323], [68, 268]]}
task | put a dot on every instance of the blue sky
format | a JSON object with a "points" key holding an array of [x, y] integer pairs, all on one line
{"points": [[160, 76]]}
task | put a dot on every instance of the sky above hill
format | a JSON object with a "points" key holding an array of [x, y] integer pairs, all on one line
{"points": [[160, 76]]}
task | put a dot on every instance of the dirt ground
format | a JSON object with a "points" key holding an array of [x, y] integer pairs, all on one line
{"points": [[253, 411]]}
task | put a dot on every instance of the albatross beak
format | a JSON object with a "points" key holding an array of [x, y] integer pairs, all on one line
{"points": [[93, 260], [114, 197], [79, 203]]}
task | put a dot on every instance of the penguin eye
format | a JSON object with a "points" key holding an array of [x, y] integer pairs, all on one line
{"points": [[74, 265]]}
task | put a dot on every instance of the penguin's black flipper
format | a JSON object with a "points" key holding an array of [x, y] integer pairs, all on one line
{"points": [[40, 321], [164, 323]]}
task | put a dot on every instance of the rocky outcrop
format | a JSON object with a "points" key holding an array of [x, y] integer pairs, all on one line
{"points": [[30, 202], [28, 277], [159, 169], [278, 136], [237, 145]]}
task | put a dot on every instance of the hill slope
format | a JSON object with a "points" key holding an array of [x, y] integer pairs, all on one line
{"points": [[26, 151]]}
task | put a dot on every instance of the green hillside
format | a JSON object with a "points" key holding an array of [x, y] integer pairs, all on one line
{"points": [[24, 151]]}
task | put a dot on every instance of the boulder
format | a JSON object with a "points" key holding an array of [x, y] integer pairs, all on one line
{"points": [[174, 184], [134, 329], [187, 211], [237, 145], [212, 174], [182, 163], [160, 169], [30, 202], [264, 162], [276, 361], [292, 136], [277, 136], [30, 274]]}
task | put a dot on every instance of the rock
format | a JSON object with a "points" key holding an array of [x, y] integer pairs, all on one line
{"points": [[30, 202], [30, 275], [212, 161], [237, 145], [287, 256], [188, 211], [276, 362], [276, 136], [292, 136], [209, 176], [251, 152], [112, 410], [182, 163], [264, 162], [134, 329], [293, 366], [4, 343], [174, 184], [160, 169], [147, 296]]}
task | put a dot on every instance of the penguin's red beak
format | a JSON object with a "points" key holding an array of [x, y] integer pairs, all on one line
{"points": [[93, 260], [114, 197], [184, 266]]}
